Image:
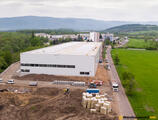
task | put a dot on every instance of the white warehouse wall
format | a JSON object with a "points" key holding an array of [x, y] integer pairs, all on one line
{"points": [[82, 63]]}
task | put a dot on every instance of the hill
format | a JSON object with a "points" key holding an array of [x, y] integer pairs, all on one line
{"points": [[34, 22], [132, 28]]}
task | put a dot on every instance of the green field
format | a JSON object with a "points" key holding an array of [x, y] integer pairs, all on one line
{"points": [[144, 65], [136, 43]]}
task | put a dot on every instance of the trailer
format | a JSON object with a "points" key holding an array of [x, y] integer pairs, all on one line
{"points": [[92, 90], [33, 83]]}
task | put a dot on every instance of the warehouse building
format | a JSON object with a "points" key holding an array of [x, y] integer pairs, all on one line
{"points": [[67, 59]]}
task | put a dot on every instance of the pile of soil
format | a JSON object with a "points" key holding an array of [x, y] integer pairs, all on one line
{"points": [[101, 74], [44, 77]]}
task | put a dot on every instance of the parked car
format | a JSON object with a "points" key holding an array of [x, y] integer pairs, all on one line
{"points": [[106, 60], [10, 82], [100, 61], [1, 80], [33, 83]]}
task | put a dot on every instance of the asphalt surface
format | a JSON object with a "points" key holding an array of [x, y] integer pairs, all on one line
{"points": [[124, 105]]}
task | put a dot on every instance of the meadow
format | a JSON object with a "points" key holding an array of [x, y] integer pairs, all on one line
{"points": [[143, 64], [136, 43]]}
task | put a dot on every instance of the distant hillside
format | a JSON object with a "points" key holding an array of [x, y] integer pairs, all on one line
{"points": [[33, 22], [132, 28]]}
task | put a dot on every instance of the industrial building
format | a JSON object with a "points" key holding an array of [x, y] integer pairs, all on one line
{"points": [[94, 36], [67, 59]]}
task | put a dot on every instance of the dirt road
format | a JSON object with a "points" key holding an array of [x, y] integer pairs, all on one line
{"points": [[122, 100]]}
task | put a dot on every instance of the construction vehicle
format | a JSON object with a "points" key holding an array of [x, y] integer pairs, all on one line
{"points": [[92, 85], [67, 91], [97, 82]]}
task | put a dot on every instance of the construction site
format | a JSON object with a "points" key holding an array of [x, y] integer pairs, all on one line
{"points": [[56, 97], [48, 100]]}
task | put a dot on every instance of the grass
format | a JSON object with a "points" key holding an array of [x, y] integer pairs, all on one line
{"points": [[144, 66], [136, 43]]}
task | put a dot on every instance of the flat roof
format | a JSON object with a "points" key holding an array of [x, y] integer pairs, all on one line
{"points": [[70, 48]]}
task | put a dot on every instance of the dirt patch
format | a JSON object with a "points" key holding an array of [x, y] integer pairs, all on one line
{"points": [[46, 104], [47, 91], [149, 109], [101, 74]]}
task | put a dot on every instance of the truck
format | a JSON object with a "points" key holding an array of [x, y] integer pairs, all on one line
{"points": [[97, 82], [108, 67], [115, 86]]}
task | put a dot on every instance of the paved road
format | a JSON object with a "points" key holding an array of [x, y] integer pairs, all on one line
{"points": [[123, 103]]}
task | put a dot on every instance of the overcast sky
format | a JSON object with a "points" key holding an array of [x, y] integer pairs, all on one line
{"points": [[126, 10]]}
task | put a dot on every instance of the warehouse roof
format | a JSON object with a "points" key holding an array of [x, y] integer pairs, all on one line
{"points": [[70, 48]]}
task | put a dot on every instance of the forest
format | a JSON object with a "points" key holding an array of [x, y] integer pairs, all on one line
{"points": [[12, 43]]}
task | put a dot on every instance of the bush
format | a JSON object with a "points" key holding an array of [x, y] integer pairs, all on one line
{"points": [[116, 60], [128, 83]]}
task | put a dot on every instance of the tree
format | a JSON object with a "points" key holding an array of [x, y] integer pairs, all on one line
{"points": [[3, 64], [100, 36], [116, 60], [8, 57], [32, 34], [107, 41], [128, 82]]}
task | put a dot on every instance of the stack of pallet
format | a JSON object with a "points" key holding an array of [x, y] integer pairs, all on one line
{"points": [[97, 103]]}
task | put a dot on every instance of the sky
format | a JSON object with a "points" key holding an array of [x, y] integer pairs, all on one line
{"points": [[122, 10]]}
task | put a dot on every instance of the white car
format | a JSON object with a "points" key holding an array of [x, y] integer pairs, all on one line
{"points": [[10, 82]]}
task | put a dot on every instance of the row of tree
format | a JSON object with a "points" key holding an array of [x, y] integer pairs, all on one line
{"points": [[12, 43], [128, 79]]}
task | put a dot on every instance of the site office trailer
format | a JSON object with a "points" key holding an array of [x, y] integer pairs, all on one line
{"points": [[58, 64]]}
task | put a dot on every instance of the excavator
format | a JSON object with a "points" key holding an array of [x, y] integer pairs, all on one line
{"points": [[67, 91]]}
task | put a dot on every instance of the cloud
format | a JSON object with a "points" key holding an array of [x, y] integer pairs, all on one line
{"points": [[127, 10]]}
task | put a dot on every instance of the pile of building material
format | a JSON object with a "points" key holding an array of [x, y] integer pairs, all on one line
{"points": [[73, 83], [96, 103]]}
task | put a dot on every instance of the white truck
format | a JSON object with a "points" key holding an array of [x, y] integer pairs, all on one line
{"points": [[115, 86]]}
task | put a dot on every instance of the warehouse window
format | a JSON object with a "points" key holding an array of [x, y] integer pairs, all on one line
{"points": [[84, 73], [48, 65], [25, 70]]}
